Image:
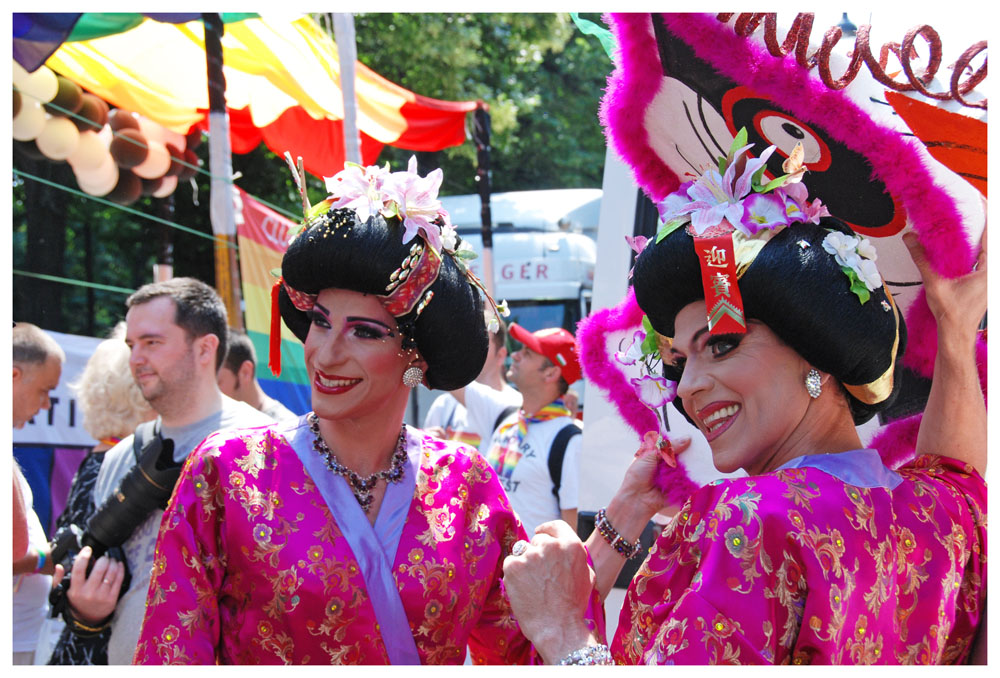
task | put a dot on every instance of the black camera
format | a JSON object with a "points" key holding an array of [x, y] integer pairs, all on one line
{"points": [[146, 487]]}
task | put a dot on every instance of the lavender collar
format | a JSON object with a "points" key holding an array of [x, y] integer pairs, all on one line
{"points": [[373, 547], [861, 468]]}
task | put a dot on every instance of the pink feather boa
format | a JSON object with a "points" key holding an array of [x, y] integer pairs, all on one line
{"points": [[601, 370]]}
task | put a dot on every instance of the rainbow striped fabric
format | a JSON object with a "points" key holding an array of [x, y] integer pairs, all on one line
{"points": [[504, 457], [263, 239]]}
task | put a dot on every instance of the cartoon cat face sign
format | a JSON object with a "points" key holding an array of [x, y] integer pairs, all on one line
{"points": [[685, 84]]}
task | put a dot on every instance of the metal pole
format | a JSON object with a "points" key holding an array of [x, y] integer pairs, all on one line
{"points": [[221, 208], [481, 138], [347, 51], [163, 269]]}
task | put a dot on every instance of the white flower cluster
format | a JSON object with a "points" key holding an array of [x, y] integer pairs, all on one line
{"points": [[857, 254]]}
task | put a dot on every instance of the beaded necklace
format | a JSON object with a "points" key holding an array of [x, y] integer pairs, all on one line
{"points": [[362, 487]]}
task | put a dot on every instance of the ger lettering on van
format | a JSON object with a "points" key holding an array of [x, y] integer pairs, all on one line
{"points": [[544, 251]]}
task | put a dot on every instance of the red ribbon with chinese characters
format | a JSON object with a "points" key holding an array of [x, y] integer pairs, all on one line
{"points": [[718, 278]]}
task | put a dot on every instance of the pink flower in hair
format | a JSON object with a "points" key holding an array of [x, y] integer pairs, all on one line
{"points": [[358, 188], [763, 210], [798, 206], [416, 202], [713, 197], [655, 392]]}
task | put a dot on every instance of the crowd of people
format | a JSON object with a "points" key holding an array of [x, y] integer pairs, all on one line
{"points": [[210, 525]]}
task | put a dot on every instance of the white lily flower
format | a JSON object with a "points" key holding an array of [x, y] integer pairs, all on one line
{"points": [[449, 237], [867, 249], [654, 392], [842, 247], [868, 273]]}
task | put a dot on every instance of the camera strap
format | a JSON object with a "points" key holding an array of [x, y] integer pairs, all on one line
{"points": [[143, 432]]}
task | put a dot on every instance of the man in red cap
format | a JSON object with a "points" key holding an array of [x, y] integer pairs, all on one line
{"points": [[535, 450]]}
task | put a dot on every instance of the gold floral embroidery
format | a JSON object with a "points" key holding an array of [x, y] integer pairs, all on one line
{"points": [[256, 459]]}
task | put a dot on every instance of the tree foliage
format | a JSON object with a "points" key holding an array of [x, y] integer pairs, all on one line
{"points": [[541, 78]]}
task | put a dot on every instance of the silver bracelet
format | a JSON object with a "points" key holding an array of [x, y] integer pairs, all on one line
{"points": [[591, 655]]}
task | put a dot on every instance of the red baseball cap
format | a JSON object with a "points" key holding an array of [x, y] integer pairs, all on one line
{"points": [[554, 343]]}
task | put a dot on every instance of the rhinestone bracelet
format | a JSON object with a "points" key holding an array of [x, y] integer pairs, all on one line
{"points": [[592, 655], [610, 534]]}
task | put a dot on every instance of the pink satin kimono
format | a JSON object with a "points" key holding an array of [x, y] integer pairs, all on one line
{"points": [[253, 567], [806, 565]]}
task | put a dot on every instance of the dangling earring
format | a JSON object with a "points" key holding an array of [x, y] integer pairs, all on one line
{"points": [[412, 377], [813, 385]]}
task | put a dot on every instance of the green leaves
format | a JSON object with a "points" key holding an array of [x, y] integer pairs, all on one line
{"points": [[857, 286], [739, 141], [671, 226], [649, 344], [542, 78], [769, 186]]}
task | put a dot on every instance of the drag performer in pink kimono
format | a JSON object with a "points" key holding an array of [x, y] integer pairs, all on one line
{"points": [[347, 537], [774, 331]]}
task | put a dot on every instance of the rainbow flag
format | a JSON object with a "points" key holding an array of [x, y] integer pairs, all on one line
{"points": [[503, 457], [468, 437], [263, 238]]}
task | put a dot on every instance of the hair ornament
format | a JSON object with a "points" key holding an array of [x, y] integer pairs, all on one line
{"points": [[653, 390], [731, 213], [404, 196], [856, 257]]}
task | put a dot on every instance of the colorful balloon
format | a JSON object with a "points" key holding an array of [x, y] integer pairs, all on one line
{"points": [[156, 164], [68, 98], [120, 119], [127, 190], [100, 180], [90, 153], [166, 188], [129, 148], [58, 138], [188, 170], [30, 120], [93, 113], [41, 85]]}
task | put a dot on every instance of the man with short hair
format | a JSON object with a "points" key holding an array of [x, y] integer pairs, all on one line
{"points": [[38, 361], [535, 450], [238, 378], [449, 419], [177, 333]]}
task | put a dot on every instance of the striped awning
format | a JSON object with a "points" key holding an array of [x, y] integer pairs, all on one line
{"points": [[282, 87]]}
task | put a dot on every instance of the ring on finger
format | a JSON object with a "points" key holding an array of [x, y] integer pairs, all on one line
{"points": [[520, 546]]}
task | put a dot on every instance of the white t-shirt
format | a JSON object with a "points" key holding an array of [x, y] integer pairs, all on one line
{"points": [[482, 407], [31, 591], [474, 423], [524, 474]]}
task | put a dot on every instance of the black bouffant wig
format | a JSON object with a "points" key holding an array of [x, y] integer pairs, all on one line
{"points": [[800, 292], [343, 252]]}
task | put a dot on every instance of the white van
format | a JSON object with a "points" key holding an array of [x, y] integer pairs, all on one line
{"points": [[544, 251]]}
